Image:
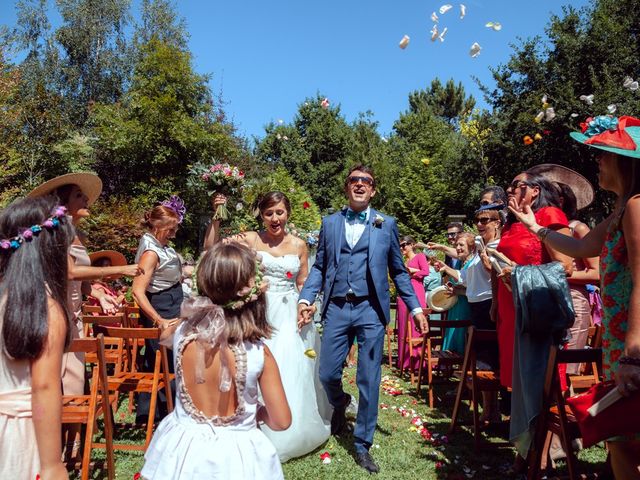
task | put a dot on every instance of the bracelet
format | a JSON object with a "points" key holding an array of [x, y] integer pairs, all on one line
{"points": [[542, 233], [624, 360]]}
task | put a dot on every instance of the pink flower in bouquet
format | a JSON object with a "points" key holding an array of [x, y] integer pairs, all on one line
{"points": [[205, 177]]}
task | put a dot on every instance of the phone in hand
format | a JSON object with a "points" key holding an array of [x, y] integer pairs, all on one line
{"points": [[479, 243]]}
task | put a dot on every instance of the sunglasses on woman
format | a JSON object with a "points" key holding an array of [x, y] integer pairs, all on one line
{"points": [[484, 220], [519, 184], [403, 244]]}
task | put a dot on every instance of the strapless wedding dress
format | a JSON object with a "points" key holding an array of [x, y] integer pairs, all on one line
{"points": [[310, 409]]}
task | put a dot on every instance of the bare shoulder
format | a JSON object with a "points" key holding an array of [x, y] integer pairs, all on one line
{"points": [[632, 212]]}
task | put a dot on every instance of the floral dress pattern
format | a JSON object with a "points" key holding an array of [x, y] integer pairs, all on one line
{"points": [[616, 285]]}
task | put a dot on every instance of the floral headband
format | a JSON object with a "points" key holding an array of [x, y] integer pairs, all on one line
{"points": [[9, 245], [176, 204], [256, 287]]}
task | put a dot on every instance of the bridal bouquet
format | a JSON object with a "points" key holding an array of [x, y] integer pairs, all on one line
{"points": [[217, 178]]}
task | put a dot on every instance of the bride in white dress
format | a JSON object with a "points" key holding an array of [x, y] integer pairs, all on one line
{"points": [[285, 259]]}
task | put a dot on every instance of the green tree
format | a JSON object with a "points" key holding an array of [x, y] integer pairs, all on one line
{"points": [[448, 102], [163, 123]]}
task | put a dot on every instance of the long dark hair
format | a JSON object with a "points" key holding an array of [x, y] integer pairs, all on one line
{"points": [[549, 195], [569, 202], [32, 272], [629, 169]]}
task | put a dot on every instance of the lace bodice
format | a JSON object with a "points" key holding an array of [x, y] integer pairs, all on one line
{"points": [[281, 272]]}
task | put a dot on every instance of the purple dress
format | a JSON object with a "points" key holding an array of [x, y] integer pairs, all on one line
{"points": [[420, 262]]}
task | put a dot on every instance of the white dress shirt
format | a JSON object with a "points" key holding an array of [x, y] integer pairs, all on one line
{"points": [[355, 228]]}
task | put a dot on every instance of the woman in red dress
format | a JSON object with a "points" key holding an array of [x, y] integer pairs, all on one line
{"points": [[524, 248]]}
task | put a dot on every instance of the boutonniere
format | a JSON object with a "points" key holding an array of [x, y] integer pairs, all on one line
{"points": [[378, 220]]}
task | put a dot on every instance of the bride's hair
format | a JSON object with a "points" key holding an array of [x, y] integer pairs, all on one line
{"points": [[270, 199], [224, 271]]}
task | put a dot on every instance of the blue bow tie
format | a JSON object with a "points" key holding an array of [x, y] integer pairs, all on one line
{"points": [[361, 216]]}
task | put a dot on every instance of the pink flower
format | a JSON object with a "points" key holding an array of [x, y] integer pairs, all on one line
{"points": [[5, 244], [27, 234], [206, 177]]}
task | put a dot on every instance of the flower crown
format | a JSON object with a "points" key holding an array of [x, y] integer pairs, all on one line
{"points": [[250, 293], [176, 204], [9, 245]]}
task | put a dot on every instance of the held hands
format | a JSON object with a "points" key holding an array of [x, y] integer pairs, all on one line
{"points": [[305, 314]]}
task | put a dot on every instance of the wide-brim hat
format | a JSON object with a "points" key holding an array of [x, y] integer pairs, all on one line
{"points": [[617, 135], [117, 259], [579, 185], [89, 183], [440, 299]]}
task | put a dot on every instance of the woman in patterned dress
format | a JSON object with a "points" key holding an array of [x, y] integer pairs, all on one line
{"points": [[617, 241]]}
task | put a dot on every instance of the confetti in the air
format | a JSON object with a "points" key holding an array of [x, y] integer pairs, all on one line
{"points": [[434, 17], [612, 108], [495, 26], [441, 36], [549, 114], [434, 33], [574, 115], [404, 42], [630, 84], [325, 103], [463, 10], [475, 50], [539, 117], [588, 99], [445, 8]]}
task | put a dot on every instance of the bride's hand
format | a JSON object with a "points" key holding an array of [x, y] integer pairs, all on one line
{"points": [[305, 314]]}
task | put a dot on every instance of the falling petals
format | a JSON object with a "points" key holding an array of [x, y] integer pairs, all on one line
{"points": [[434, 33], [310, 352], [527, 140], [588, 99], [280, 121], [463, 11], [325, 457], [404, 42], [537, 136], [495, 26], [612, 108], [434, 17], [538, 118], [305, 205], [630, 84], [549, 114], [445, 8], [475, 50], [441, 36], [425, 161], [574, 115], [289, 275]]}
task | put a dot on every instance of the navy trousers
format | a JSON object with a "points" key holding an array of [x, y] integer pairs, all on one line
{"points": [[345, 321]]}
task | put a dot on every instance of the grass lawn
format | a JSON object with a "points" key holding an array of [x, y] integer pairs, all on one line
{"points": [[399, 449]]}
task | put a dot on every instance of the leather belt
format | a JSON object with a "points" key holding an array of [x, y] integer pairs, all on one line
{"points": [[351, 298]]}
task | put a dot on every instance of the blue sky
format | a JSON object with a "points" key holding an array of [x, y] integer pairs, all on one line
{"points": [[266, 57]]}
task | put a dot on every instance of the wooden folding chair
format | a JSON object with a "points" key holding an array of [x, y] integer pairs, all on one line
{"points": [[433, 357], [142, 382], [412, 342], [475, 380], [86, 409], [555, 416], [391, 335], [589, 373]]}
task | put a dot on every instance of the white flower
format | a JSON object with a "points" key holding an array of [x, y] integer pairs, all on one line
{"points": [[378, 220]]}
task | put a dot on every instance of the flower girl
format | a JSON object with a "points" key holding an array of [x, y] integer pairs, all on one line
{"points": [[220, 360]]}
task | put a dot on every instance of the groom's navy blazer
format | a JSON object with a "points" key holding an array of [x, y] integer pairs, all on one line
{"points": [[384, 260]]}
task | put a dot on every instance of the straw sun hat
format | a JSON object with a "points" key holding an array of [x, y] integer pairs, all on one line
{"points": [[579, 185], [440, 299], [89, 183], [117, 259]]}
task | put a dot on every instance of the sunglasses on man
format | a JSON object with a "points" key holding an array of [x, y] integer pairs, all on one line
{"points": [[452, 234], [355, 179]]}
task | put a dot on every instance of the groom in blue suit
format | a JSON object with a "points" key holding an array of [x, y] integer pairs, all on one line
{"points": [[358, 250]]}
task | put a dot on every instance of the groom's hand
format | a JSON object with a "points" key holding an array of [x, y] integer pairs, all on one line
{"points": [[421, 323], [305, 314]]}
